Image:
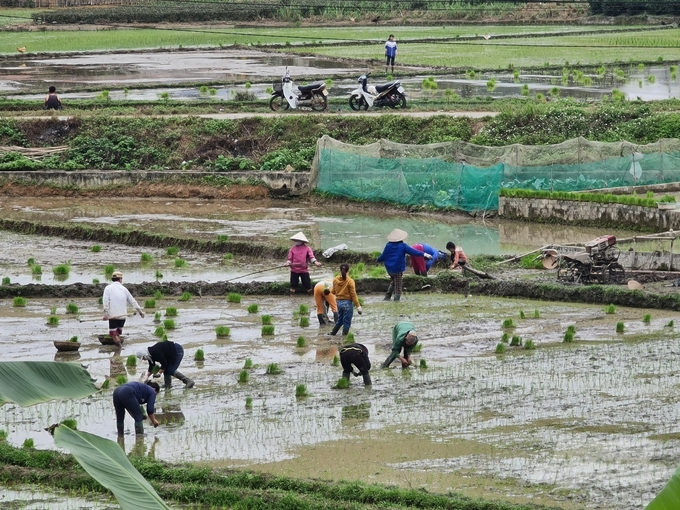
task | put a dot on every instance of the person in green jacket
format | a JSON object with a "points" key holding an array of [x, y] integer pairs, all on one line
{"points": [[403, 337]]}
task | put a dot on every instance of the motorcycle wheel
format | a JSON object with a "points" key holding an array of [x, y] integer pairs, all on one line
{"points": [[357, 102], [401, 101], [319, 103], [277, 103]]}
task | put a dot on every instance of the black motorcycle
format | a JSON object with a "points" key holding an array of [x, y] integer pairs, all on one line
{"points": [[390, 94]]}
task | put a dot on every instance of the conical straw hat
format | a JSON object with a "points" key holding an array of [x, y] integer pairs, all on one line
{"points": [[397, 235], [299, 237], [635, 285]]}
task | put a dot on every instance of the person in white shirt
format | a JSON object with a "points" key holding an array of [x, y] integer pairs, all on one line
{"points": [[115, 300]]}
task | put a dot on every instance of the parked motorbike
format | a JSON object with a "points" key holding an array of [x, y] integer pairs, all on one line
{"points": [[390, 94], [287, 95]]}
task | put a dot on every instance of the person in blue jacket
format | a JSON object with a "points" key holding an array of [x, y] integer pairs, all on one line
{"points": [[394, 257], [422, 266], [128, 397]]}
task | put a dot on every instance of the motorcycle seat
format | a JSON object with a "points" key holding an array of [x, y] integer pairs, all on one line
{"points": [[310, 87], [385, 86]]}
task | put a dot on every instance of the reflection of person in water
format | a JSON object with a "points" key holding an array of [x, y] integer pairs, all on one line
{"points": [[357, 355]]}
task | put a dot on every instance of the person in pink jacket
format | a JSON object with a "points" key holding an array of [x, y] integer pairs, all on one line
{"points": [[299, 257]]}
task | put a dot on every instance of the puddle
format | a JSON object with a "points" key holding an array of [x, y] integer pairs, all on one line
{"points": [[267, 221], [36, 499], [569, 424]]}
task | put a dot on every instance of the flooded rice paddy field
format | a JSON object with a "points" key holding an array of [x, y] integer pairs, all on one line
{"points": [[263, 221], [592, 424]]}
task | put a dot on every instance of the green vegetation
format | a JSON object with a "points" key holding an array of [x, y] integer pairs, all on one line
{"points": [[95, 281], [157, 317], [599, 198], [620, 327], [222, 238], [529, 345], [302, 341], [537, 314], [73, 339], [336, 361], [228, 256], [70, 423], [505, 338], [234, 297], [274, 369], [62, 269], [200, 355], [267, 330], [423, 364], [670, 324], [36, 270], [508, 324], [6, 280], [159, 332], [243, 376], [121, 379], [150, 303], [171, 311], [303, 310], [30, 261], [29, 443], [301, 391], [131, 360], [266, 320], [568, 337], [500, 348], [19, 301], [253, 308], [186, 296], [522, 315], [416, 348], [71, 308], [516, 341], [647, 318], [158, 295], [53, 320], [610, 309], [106, 384], [342, 384], [96, 248], [248, 363], [304, 322], [172, 251], [180, 262], [249, 402], [146, 257], [571, 329], [108, 270], [222, 331]]}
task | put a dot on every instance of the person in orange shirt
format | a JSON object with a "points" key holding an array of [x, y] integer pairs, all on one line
{"points": [[346, 295], [325, 299], [458, 257]]}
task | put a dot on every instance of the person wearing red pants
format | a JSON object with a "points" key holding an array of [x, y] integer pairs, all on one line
{"points": [[115, 301]]}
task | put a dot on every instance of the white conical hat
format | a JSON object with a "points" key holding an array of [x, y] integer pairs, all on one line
{"points": [[397, 235], [299, 237]]}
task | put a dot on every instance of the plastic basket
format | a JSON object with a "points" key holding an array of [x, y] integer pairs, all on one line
{"points": [[277, 86]]}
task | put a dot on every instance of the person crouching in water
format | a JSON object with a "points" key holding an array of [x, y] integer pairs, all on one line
{"points": [[357, 355], [325, 299], [298, 258], [168, 355], [346, 296], [458, 257]]}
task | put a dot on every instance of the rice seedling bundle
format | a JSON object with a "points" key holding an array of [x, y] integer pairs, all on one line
{"points": [[274, 369], [200, 355], [222, 331], [266, 319], [253, 308], [243, 376], [234, 297]]}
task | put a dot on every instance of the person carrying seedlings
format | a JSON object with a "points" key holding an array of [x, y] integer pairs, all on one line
{"points": [[115, 301], [130, 396], [168, 355], [420, 265], [390, 52], [458, 257], [299, 257], [346, 295], [52, 101], [394, 257], [403, 337], [325, 299], [357, 355]]}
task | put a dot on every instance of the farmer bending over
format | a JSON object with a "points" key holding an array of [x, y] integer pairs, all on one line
{"points": [[458, 257], [357, 355], [128, 397], [403, 337], [420, 265], [325, 299], [115, 300], [168, 355]]}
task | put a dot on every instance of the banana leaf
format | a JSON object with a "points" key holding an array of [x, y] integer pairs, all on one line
{"points": [[32, 382], [669, 497], [106, 462]]}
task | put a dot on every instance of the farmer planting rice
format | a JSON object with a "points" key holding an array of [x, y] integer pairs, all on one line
{"points": [[115, 301], [346, 294], [403, 337], [325, 299], [128, 397], [299, 257], [458, 257], [168, 355], [394, 257], [357, 355], [420, 265]]}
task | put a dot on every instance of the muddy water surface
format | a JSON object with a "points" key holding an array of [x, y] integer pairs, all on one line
{"points": [[591, 424]]}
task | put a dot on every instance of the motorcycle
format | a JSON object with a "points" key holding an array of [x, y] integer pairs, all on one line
{"points": [[314, 96], [390, 94]]}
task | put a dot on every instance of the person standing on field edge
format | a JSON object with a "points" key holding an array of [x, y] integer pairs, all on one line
{"points": [[115, 301], [299, 256], [390, 52], [52, 101]]}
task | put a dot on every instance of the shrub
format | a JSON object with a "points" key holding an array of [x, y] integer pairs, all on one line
{"points": [[274, 369], [301, 341], [301, 390], [200, 355], [169, 324], [96, 248], [342, 384], [171, 311], [222, 331], [500, 348], [267, 330], [253, 308], [131, 360], [19, 301], [234, 297], [150, 303], [266, 319], [243, 376]]}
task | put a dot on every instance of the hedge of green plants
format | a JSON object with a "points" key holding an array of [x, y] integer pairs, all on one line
{"points": [[632, 7], [600, 198]]}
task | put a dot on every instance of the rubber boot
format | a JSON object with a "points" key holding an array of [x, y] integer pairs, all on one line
{"points": [[120, 426], [345, 331], [167, 378], [335, 317], [335, 329], [321, 318], [188, 382], [310, 292], [345, 375], [388, 294], [116, 339], [367, 380], [139, 427], [397, 297], [292, 292]]}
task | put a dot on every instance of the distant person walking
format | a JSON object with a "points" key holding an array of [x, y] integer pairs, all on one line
{"points": [[115, 301], [390, 52], [52, 101]]}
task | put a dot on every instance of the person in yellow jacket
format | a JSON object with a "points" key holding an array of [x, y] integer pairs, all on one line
{"points": [[346, 296], [325, 299]]}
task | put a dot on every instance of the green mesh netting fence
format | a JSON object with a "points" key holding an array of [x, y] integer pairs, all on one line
{"points": [[465, 176]]}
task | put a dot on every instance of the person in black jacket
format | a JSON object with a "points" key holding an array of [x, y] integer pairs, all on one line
{"points": [[357, 355], [168, 355], [52, 101]]}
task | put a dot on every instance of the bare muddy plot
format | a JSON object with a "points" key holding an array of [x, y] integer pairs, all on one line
{"points": [[589, 424]]}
